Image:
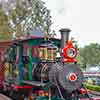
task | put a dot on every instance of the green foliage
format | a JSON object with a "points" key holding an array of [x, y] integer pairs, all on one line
{"points": [[93, 87], [90, 54], [41, 15], [74, 42], [24, 17], [5, 32]]}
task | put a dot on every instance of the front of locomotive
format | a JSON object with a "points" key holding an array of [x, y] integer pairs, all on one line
{"points": [[63, 77], [66, 74]]}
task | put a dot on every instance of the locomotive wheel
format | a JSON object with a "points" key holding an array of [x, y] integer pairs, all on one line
{"points": [[5, 90], [17, 96], [1, 89], [11, 93]]}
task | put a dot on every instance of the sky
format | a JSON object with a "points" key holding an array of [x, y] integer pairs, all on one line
{"points": [[81, 16]]}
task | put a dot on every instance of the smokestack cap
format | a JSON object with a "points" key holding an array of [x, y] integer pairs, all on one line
{"points": [[65, 30]]}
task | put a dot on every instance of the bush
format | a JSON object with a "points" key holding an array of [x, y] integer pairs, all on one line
{"points": [[93, 87]]}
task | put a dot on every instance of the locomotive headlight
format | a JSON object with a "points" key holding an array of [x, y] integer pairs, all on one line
{"points": [[71, 52]]}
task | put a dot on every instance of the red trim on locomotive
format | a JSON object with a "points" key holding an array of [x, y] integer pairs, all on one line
{"points": [[69, 45], [21, 87]]}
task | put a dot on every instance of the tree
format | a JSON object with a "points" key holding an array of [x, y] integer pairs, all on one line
{"points": [[15, 11], [52, 34], [17, 15], [90, 54], [40, 17], [5, 33], [25, 16], [74, 42]]}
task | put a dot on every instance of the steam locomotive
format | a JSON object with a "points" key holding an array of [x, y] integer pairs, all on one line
{"points": [[38, 68]]}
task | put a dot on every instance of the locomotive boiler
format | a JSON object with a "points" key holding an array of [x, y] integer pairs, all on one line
{"points": [[39, 68]]}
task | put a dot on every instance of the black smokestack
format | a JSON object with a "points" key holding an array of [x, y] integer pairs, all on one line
{"points": [[64, 36]]}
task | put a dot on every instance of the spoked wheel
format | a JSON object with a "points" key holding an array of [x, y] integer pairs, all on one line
{"points": [[11, 94], [16, 96], [1, 89], [5, 91]]}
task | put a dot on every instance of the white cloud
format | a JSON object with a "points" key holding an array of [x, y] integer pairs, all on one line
{"points": [[66, 18], [82, 16]]}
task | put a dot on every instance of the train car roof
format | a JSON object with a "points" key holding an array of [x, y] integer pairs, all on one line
{"points": [[34, 37], [9, 42], [55, 40], [5, 43]]}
